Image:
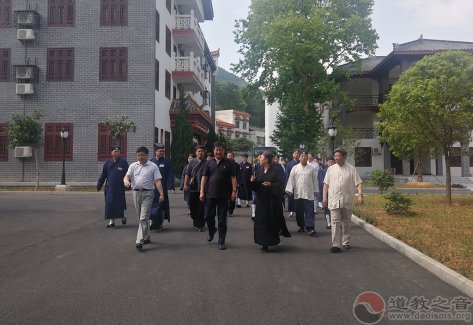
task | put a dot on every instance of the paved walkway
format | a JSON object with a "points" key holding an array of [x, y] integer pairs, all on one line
{"points": [[58, 264]]}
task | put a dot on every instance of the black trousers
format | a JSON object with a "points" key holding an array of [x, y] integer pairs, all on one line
{"points": [[231, 205], [219, 207], [197, 209]]}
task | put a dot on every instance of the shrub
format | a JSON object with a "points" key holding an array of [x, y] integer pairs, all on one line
{"points": [[398, 203], [382, 179], [458, 186]]}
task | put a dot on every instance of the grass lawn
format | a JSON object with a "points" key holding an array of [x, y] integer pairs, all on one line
{"points": [[434, 228]]}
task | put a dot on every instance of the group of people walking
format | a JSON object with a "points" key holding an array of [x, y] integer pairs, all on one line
{"points": [[211, 186]]}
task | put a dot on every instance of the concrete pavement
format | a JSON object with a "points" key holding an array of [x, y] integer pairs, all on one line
{"points": [[59, 264]]}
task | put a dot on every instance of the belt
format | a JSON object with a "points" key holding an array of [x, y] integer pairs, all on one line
{"points": [[142, 189]]}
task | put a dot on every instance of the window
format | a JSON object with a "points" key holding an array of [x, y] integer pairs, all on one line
{"points": [[5, 64], [3, 142], [167, 85], [156, 75], [168, 41], [363, 157], [5, 13], [61, 13], [157, 26], [168, 5], [113, 64], [54, 144], [113, 12], [105, 142], [60, 65]]}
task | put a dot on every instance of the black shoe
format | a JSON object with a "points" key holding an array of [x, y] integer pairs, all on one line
{"points": [[346, 246], [252, 219], [230, 213], [110, 225], [264, 249], [312, 232], [158, 228], [335, 249], [238, 206], [152, 227], [301, 229], [329, 227], [124, 221], [247, 205], [200, 229], [221, 247], [146, 241], [211, 235], [139, 246]]}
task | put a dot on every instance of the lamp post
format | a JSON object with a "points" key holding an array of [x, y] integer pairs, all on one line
{"points": [[332, 132], [64, 134]]}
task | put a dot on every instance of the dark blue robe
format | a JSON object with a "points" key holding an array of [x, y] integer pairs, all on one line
{"points": [[244, 183], [113, 173], [290, 199], [167, 181]]}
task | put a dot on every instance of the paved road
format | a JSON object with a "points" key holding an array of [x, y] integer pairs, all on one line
{"points": [[59, 265]]}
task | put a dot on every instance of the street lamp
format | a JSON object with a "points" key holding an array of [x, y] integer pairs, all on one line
{"points": [[64, 134], [332, 132]]}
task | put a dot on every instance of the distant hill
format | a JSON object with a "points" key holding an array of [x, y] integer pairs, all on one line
{"points": [[225, 76]]}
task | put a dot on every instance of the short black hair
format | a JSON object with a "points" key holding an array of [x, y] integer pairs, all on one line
{"points": [[219, 144], [200, 147], [268, 155], [143, 150], [342, 151]]}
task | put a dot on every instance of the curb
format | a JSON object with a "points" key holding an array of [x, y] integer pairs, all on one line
{"points": [[451, 277]]}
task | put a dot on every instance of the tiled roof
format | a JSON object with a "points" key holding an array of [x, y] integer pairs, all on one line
{"points": [[367, 64], [235, 112], [430, 45], [224, 124]]}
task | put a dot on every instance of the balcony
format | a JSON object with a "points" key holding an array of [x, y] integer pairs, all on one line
{"points": [[366, 133], [203, 8], [198, 118], [188, 34], [362, 103], [189, 72]]}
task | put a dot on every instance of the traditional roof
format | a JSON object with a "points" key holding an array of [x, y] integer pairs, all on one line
{"points": [[431, 45], [224, 124], [235, 112], [367, 65]]}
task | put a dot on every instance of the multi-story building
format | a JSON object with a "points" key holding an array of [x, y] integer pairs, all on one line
{"points": [[233, 123], [368, 88], [81, 62]]}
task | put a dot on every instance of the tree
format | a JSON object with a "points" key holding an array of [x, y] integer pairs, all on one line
{"points": [[182, 136], [26, 130], [241, 144], [228, 96], [119, 127], [289, 49], [429, 108]]}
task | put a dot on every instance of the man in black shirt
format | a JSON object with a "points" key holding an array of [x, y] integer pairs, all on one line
{"points": [[218, 185], [192, 181]]}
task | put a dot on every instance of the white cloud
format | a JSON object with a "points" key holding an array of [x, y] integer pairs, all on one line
{"points": [[441, 13]]}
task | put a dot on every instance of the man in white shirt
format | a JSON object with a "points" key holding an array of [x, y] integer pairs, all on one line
{"points": [[314, 162], [142, 176], [340, 184], [302, 184]]}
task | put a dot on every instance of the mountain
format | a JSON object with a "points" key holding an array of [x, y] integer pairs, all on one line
{"points": [[225, 76]]}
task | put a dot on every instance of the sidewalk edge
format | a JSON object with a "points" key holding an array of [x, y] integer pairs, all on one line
{"points": [[446, 274]]}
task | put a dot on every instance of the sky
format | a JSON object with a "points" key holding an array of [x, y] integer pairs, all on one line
{"points": [[396, 21]]}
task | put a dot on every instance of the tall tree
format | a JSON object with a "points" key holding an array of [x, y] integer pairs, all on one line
{"points": [[182, 137], [289, 49], [228, 96], [430, 109], [26, 130]]}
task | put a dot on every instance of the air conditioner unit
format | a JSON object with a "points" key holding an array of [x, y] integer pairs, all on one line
{"points": [[24, 72], [23, 152], [24, 89], [26, 18], [25, 34], [375, 151]]}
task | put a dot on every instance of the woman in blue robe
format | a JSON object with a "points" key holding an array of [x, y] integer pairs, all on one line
{"points": [[113, 172]]}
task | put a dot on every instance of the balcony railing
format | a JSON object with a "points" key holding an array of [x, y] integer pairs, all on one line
{"points": [[191, 64], [190, 22], [365, 100], [366, 133]]}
